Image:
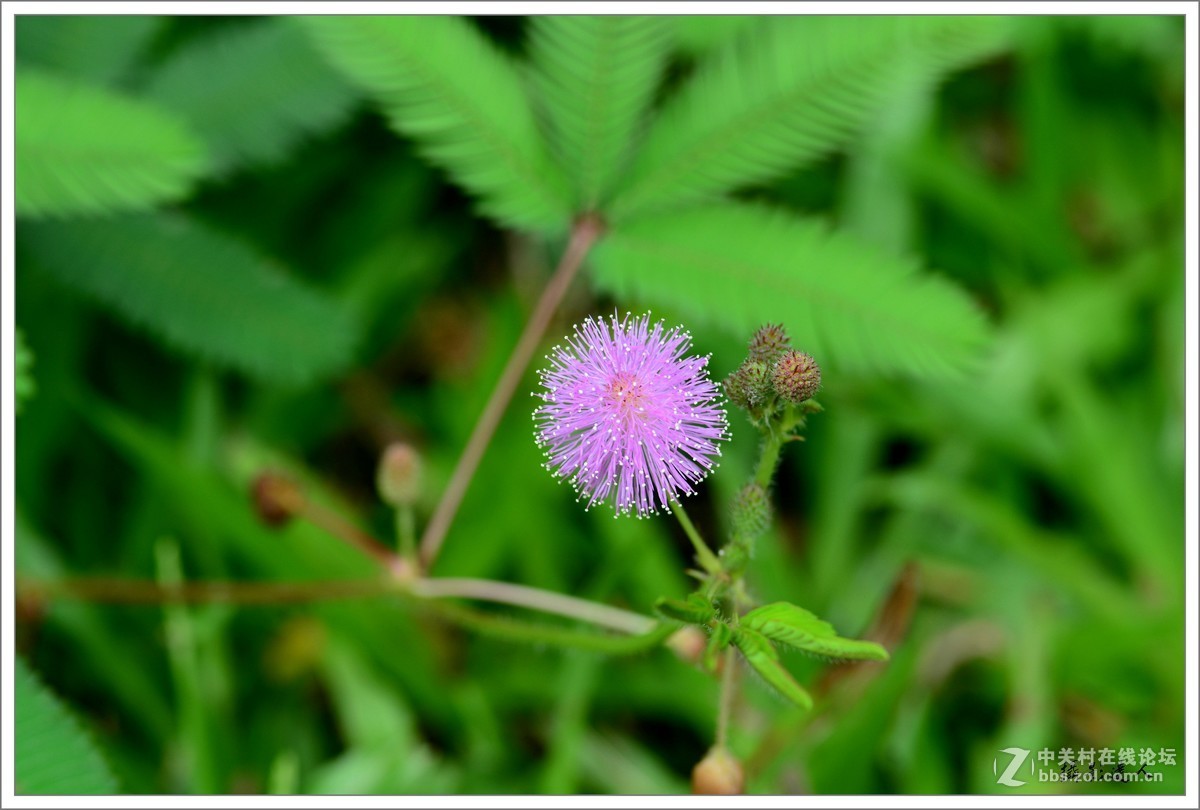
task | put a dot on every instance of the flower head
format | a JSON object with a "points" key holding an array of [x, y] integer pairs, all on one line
{"points": [[626, 414], [797, 376]]}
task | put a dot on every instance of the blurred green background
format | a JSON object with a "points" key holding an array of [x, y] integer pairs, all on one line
{"points": [[1027, 517]]}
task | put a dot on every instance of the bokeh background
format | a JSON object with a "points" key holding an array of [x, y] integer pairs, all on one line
{"points": [[1016, 534]]}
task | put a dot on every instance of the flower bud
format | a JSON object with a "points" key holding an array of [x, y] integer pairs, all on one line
{"points": [[751, 513], [276, 499], [796, 377], [688, 643], [749, 386], [769, 342], [718, 774], [399, 476]]}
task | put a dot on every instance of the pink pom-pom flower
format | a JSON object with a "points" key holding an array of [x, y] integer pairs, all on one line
{"points": [[628, 414]]}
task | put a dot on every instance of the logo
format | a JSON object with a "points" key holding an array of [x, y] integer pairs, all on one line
{"points": [[1019, 755]]}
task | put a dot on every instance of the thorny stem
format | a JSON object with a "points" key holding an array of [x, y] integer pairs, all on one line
{"points": [[704, 554], [583, 236]]}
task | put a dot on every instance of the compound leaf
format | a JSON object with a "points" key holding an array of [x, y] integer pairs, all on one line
{"points": [[595, 78], [294, 92], [444, 84], [84, 150], [200, 291], [787, 92], [846, 303], [53, 753]]}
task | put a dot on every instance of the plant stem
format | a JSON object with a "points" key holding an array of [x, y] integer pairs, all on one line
{"points": [[129, 591], [535, 599], [406, 531], [343, 529], [704, 554], [637, 632], [773, 443], [509, 629], [266, 593], [583, 236], [728, 692]]}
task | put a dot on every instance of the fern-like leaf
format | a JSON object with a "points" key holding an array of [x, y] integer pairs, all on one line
{"points": [[595, 77], [293, 92], [845, 302], [200, 291], [83, 150], [786, 92], [444, 84], [53, 753], [96, 47]]}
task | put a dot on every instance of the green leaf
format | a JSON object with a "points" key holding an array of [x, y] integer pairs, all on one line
{"points": [[595, 78], [95, 47], [444, 84], [761, 655], [789, 92], [699, 34], [294, 93], [24, 386], [201, 292], [848, 304], [694, 610], [721, 637], [83, 150], [53, 753], [797, 627]]}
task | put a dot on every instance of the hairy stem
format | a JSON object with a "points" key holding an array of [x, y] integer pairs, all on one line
{"points": [[728, 693], [704, 554], [773, 443], [583, 236], [535, 599]]}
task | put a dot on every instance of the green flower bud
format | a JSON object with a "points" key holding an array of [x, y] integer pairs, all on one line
{"points": [[769, 342], [399, 476], [796, 377], [751, 513], [749, 386]]}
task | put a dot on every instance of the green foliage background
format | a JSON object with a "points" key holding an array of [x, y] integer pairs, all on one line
{"points": [[247, 243]]}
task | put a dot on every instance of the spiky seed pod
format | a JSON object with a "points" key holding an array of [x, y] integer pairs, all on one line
{"points": [[749, 386], [751, 512], [718, 774], [398, 478], [796, 377], [768, 343]]}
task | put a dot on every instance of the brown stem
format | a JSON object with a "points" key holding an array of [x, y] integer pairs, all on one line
{"points": [[343, 529], [583, 236], [132, 591]]}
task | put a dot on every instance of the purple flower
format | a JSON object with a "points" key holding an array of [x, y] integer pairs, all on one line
{"points": [[627, 414]]}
